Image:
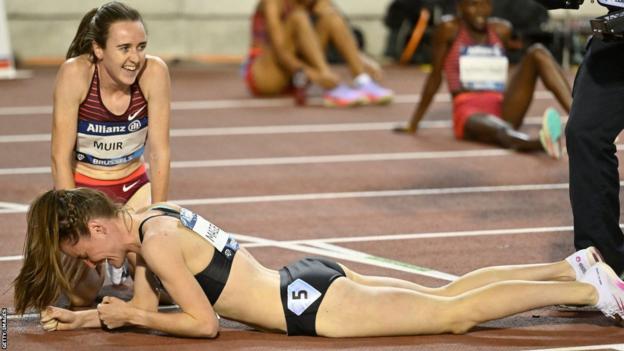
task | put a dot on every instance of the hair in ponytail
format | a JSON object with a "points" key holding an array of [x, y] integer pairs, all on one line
{"points": [[53, 218], [95, 24]]}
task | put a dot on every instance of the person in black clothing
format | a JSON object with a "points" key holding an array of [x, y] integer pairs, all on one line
{"points": [[596, 119]]}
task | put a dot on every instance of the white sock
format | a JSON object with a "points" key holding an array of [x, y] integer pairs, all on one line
{"points": [[578, 262], [362, 79]]}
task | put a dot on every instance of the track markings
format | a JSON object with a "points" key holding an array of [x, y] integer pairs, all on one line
{"points": [[320, 248], [297, 160], [272, 129], [242, 103], [430, 235], [18, 208], [251, 241]]}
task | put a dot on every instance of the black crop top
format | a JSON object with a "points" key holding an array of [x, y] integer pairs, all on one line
{"points": [[213, 278]]}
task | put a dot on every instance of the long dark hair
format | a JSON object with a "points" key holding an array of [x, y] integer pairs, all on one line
{"points": [[55, 217], [95, 24]]}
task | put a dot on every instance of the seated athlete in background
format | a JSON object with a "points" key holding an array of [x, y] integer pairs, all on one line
{"points": [[206, 272], [287, 48], [470, 50], [104, 96]]}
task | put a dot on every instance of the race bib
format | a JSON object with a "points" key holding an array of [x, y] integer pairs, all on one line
{"points": [[217, 237], [483, 68], [300, 296]]}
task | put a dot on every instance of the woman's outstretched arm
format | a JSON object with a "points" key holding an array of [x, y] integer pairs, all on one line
{"points": [[163, 255]]}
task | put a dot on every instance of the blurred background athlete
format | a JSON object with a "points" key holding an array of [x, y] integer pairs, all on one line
{"points": [[470, 49], [289, 40]]}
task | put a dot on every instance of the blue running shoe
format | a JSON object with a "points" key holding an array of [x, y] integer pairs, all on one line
{"points": [[550, 135]]}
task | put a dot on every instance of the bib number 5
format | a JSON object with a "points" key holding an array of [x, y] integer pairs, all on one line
{"points": [[300, 296]]}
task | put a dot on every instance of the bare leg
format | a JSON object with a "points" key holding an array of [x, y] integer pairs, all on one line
{"points": [[300, 38], [350, 309], [493, 130], [330, 26], [558, 271], [142, 198], [538, 62]]}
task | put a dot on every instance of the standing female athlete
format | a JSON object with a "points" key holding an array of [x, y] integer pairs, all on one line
{"points": [[206, 272], [103, 96], [287, 49], [470, 50]]}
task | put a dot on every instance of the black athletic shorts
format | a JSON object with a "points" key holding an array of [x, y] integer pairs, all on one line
{"points": [[302, 287]]}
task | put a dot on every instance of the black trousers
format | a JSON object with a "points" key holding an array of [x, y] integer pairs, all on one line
{"points": [[597, 117]]}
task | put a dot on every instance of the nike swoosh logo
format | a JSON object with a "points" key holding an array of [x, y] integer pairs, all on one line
{"points": [[125, 187], [136, 113]]}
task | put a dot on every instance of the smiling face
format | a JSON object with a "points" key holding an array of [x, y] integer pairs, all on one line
{"points": [[102, 243], [124, 53], [475, 13]]}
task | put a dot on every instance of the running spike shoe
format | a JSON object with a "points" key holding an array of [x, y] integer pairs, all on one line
{"points": [[550, 134], [343, 96], [375, 93], [582, 260], [610, 290]]}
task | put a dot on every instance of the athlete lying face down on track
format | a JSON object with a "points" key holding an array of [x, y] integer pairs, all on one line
{"points": [[289, 41], [206, 272], [104, 96], [487, 107]]}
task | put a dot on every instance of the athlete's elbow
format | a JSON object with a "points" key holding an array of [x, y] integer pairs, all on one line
{"points": [[209, 330], [58, 160]]}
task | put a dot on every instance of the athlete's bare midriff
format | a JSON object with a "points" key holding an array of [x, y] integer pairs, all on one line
{"points": [[252, 295], [107, 173]]}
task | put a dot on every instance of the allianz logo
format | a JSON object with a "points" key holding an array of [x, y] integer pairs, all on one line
{"points": [[134, 126], [103, 129]]}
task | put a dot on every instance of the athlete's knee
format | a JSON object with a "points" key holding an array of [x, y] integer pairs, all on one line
{"points": [[539, 52], [504, 135], [455, 320], [324, 8], [299, 16]]}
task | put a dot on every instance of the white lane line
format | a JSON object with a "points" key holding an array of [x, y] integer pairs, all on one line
{"points": [[434, 235], [240, 103], [618, 347], [297, 160], [353, 195], [255, 130], [273, 129], [318, 248], [13, 206], [370, 194], [347, 255], [255, 242], [271, 161], [25, 170], [386, 262]]}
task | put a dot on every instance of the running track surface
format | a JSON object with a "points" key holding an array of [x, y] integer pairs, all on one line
{"points": [[334, 182]]}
